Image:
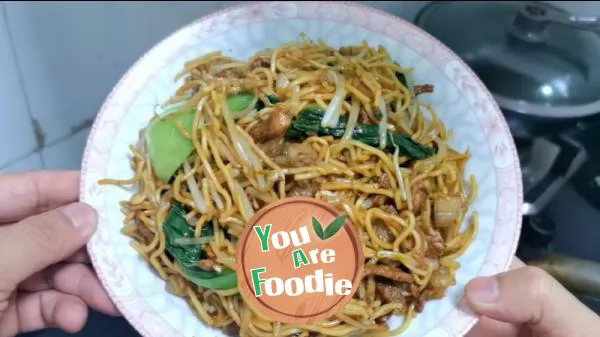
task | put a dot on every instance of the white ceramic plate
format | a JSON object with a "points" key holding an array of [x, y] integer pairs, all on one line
{"points": [[460, 99]]}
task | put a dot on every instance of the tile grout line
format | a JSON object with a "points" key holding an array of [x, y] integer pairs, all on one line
{"points": [[18, 159], [34, 123], [39, 151]]}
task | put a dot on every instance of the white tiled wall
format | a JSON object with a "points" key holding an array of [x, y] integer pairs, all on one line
{"points": [[16, 131], [59, 60]]}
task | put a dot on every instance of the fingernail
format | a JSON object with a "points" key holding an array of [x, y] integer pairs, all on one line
{"points": [[484, 290], [82, 217]]}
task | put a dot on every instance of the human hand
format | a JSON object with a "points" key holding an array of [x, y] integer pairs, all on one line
{"points": [[44, 279], [527, 302]]}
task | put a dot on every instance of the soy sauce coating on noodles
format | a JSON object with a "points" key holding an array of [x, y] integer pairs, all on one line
{"points": [[341, 125]]}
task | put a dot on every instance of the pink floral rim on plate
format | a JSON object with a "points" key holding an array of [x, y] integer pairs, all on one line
{"points": [[467, 109]]}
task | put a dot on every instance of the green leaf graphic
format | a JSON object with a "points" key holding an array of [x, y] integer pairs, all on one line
{"points": [[334, 226], [318, 229]]}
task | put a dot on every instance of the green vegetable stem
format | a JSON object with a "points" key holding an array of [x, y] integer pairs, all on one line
{"points": [[187, 256], [308, 122], [240, 102], [168, 148]]}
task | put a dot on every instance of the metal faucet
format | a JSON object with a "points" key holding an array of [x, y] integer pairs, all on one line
{"points": [[531, 21]]}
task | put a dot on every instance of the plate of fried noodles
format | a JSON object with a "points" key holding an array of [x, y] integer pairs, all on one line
{"points": [[334, 101]]}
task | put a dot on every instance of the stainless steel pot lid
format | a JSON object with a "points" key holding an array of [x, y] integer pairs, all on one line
{"points": [[535, 58]]}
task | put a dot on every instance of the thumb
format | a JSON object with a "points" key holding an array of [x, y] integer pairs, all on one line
{"points": [[42, 240], [532, 297]]}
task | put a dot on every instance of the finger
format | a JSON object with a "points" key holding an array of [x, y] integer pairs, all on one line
{"points": [[517, 263], [35, 282], [38, 282], [489, 327], [530, 296], [79, 280], [42, 240], [50, 309], [74, 279], [25, 194], [80, 256]]}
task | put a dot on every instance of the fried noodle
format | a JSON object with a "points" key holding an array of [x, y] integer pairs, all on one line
{"points": [[408, 212]]}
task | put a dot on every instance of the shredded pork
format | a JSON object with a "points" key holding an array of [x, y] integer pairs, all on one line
{"points": [[424, 88], [388, 272], [263, 61], [391, 293], [274, 126], [435, 244]]}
